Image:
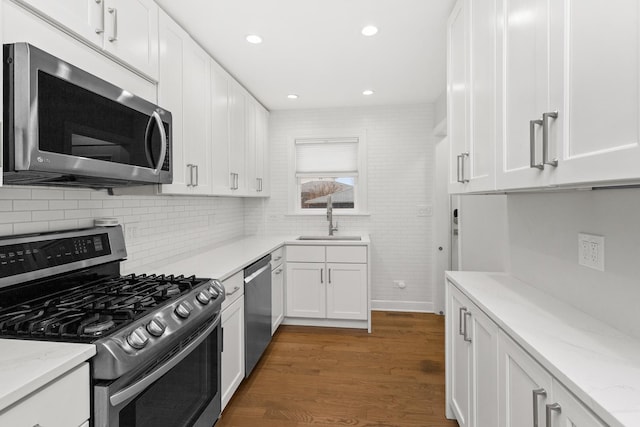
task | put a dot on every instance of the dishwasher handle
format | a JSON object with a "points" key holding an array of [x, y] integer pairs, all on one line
{"points": [[256, 274]]}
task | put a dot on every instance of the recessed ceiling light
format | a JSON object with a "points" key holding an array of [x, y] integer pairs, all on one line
{"points": [[367, 92], [292, 96], [254, 39], [369, 30]]}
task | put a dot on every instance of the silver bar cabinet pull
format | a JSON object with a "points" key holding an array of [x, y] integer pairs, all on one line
{"points": [[545, 138], [467, 315], [532, 144], [458, 158], [465, 154], [536, 394], [114, 34], [233, 181], [197, 176], [190, 166], [460, 321], [554, 407], [321, 279], [329, 275]]}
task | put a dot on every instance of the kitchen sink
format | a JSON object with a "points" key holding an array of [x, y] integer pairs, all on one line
{"points": [[329, 238]]}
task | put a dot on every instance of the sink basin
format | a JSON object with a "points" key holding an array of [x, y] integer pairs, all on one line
{"points": [[329, 238]]}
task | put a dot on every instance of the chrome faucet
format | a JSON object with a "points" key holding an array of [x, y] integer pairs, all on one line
{"points": [[330, 216]]}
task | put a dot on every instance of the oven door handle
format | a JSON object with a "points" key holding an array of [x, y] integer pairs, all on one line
{"points": [[135, 389]]}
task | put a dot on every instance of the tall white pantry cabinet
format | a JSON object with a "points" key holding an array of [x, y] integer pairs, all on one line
{"points": [[561, 104]]}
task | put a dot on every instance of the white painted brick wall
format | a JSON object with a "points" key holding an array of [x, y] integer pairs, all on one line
{"points": [[166, 226], [401, 153]]}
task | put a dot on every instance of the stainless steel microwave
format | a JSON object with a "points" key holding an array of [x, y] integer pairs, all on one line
{"points": [[64, 126]]}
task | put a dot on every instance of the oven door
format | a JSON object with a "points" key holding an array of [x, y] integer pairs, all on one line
{"points": [[183, 391]]}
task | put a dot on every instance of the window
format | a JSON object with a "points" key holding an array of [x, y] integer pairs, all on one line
{"points": [[326, 168]]}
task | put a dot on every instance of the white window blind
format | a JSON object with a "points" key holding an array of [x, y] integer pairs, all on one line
{"points": [[337, 156]]}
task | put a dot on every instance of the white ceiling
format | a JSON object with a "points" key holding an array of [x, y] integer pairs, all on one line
{"points": [[314, 48]]}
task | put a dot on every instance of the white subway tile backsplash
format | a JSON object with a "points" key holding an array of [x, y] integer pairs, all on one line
{"points": [[47, 194], [15, 193], [47, 215], [14, 217], [30, 227], [30, 205], [62, 204]]}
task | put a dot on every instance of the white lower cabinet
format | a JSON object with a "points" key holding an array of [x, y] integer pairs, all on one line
{"points": [[472, 362], [493, 381], [232, 336], [327, 282], [64, 402]]}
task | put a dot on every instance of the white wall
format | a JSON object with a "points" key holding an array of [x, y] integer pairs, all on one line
{"points": [[166, 226], [400, 167], [543, 241]]}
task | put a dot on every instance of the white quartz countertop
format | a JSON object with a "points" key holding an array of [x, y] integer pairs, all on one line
{"points": [[25, 366], [597, 362], [226, 260]]}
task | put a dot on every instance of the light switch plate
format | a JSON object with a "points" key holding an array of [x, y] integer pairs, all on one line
{"points": [[591, 251]]}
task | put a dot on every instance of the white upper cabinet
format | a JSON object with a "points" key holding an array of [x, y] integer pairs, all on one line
{"points": [[472, 36], [223, 181], [127, 29], [184, 90], [237, 138], [256, 149], [595, 87]]}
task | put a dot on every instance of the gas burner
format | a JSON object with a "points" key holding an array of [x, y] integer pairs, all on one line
{"points": [[168, 289], [100, 325]]}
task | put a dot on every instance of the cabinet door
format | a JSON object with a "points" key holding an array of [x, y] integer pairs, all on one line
{"points": [[347, 291], [572, 412], [251, 154], [277, 297], [197, 104], [598, 128], [233, 349], [306, 295], [131, 33], [482, 94], [525, 35], [459, 356], [262, 151], [237, 135], [457, 92], [484, 368], [519, 376], [170, 96], [83, 17], [222, 180]]}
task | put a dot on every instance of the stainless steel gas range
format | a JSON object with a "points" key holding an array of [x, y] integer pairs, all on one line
{"points": [[158, 338]]}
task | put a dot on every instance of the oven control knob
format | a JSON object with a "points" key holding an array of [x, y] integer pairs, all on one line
{"points": [[183, 309], [214, 293], [138, 339], [155, 327], [203, 298]]}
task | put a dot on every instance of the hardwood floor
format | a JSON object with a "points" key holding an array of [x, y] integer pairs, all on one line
{"points": [[344, 377]]}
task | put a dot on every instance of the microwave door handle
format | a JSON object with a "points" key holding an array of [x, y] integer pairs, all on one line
{"points": [[163, 137], [136, 388]]}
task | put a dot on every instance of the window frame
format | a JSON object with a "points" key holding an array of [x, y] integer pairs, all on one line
{"points": [[360, 186]]}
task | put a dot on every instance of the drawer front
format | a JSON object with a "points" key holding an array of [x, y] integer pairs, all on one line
{"points": [[63, 402], [234, 288], [350, 254], [305, 253], [277, 257]]}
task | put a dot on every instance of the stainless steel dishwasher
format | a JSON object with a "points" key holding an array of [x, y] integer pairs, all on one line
{"points": [[257, 311]]}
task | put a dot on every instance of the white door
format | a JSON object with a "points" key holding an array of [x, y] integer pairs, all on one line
{"points": [[519, 377], [131, 33], [596, 87], [347, 291], [277, 297], [484, 392], [482, 94], [237, 137], [457, 92], [197, 105], [222, 181], [525, 83], [83, 17], [460, 355], [572, 412], [306, 294], [170, 96], [233, 349]]}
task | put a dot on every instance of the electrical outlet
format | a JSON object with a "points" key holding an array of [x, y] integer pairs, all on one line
{"points": [[131, 232], [400, 284], [591, 251]]}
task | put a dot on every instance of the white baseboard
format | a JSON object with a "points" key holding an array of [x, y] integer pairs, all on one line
{"points": [[413, 306]]}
